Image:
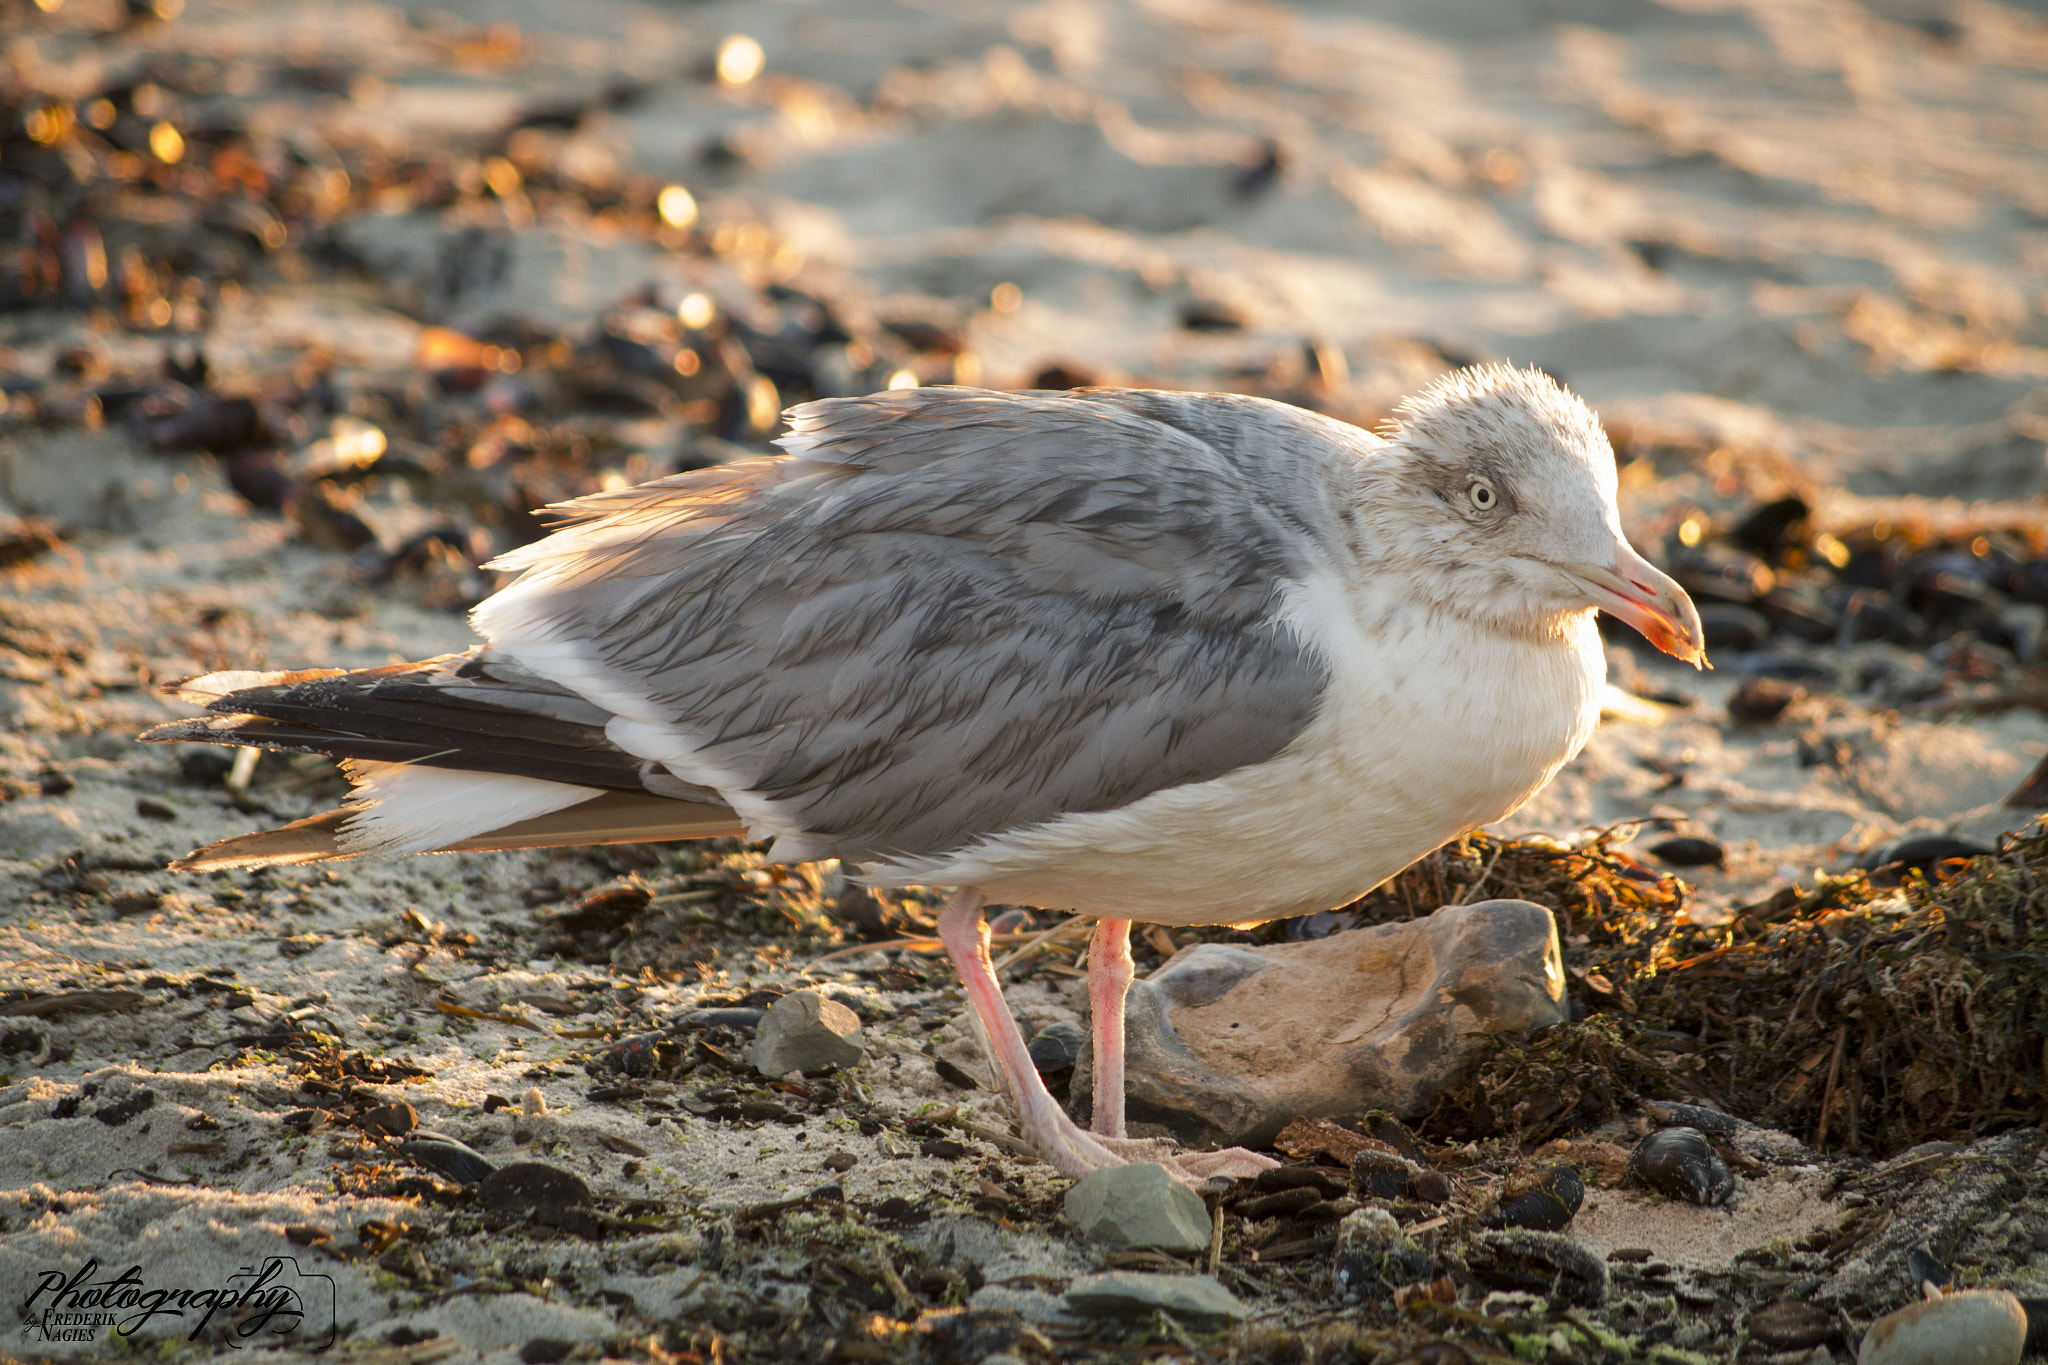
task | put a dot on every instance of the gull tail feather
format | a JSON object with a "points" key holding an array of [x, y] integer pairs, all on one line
{"points": [[612, 818], [464, 752]]}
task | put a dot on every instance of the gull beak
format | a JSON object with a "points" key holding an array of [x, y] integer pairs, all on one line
{"points": [[1636, 591]]}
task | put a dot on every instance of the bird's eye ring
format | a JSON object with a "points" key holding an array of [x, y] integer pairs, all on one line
{"points": [[1482, 495]]}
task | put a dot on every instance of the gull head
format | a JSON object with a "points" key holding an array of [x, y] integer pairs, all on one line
{"points": [[1497, 498]]}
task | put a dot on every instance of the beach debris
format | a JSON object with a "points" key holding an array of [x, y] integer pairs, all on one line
{"points": [[1357, 1027], [1921, 853], [1139, 1205], [1195, 1299], [1545, 1203], [541, 1193], [1681, 1163], [396, 1118], [1057, 1047], [1374, 1257], [1689, 852], [1384, 1175], [1762, 700], [806, 1031], [1546, 1263], [1973, 1327], [457, 1160], [1793, 1325]]}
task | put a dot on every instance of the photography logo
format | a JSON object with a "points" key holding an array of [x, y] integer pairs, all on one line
{"points": [[258, 1305]]}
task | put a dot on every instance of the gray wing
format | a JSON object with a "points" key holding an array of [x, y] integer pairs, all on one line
{"points": [[952, 612]]}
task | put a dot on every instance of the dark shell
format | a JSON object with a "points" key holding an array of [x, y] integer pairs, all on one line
{"points": [[1058, 1046], [456, 1160], [1920, 854], [1681, 1163], [1383, 1174], [1547, 1204], [1688, 852], [1793, 1326]]}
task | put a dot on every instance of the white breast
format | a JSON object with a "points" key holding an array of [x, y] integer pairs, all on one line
{"points": [[1430, 729]]}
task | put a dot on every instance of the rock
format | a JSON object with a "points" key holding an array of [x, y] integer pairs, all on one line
{"points": [[1191, 1298], [1139, 1205], [1226, 1044], [1976, 1327], [805, 1031]]}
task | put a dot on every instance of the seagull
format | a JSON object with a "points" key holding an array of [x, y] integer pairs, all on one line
{"points": [[1182, 658]]}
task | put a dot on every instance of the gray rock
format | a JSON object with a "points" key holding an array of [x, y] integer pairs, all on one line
{"points": [[1976, 1327], [1191, 1298], [1226, 1044], [804, 1031], [1139, 1205]]}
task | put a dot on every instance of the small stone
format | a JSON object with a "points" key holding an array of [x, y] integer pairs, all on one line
{"points": [[1190, 1298], [51, 782], [1976, 1327], [1226, 1045], [149, 808], [841, 1162], [1139, 1205], [806, 1031], [533, 1102]]}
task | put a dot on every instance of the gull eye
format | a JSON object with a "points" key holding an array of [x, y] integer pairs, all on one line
{"points": [[1482, 495]]}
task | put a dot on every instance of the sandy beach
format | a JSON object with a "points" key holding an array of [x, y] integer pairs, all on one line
{"points": [[311, 305]]}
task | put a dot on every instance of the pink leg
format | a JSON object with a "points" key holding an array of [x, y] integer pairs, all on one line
{"points": [[1109, 978], [1045, 1125]]}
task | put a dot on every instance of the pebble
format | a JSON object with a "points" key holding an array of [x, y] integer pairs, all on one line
{"points": [[1759, 701], [1976, 1327], [397, 1118], [1374, 1257], [806, 1031], [1191, 1298], [1139, 1205]]}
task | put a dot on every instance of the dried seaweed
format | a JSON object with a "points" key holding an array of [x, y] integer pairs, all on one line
{"points": [[1859, 1017]]}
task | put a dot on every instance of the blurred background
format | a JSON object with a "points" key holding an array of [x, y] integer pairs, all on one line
{"points": [[410, 271]]}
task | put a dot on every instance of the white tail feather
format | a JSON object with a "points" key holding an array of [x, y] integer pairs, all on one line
{"points": [[409, 808]]}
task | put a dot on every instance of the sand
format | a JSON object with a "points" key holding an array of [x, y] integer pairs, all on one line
{"points": [[1807, 235]]}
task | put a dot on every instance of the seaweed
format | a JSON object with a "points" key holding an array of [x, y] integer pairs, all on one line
{"points": [[1860, 1017]]}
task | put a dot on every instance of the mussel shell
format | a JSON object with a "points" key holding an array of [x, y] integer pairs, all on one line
{"points": [[1547, 1204], [1681, 1163], [1382, 1174]]}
